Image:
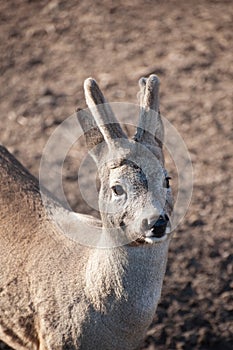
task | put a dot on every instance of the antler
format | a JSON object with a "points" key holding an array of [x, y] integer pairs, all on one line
{"points": [[102, 112], [150, 127]]}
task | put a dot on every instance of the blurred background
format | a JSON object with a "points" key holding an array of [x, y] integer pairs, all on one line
{"points": [[48, 48]]}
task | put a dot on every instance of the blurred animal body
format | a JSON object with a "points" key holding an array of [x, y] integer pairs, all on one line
{"points": [[56, 293]]}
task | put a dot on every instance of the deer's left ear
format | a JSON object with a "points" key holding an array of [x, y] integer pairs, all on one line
{"points": [[93, 135]]}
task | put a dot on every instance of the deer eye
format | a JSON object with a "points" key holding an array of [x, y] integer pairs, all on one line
{"points": [[118, 190], [166, 182]]}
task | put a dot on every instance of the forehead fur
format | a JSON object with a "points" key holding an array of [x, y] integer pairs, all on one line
{"points": [[128, 170], [132, 152], [139, 163]]}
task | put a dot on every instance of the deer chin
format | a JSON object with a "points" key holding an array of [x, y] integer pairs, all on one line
{"points": [[150, 238]]}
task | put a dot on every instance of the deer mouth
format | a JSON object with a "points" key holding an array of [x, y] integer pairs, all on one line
{"points": [[158, 232], [158, 235]]}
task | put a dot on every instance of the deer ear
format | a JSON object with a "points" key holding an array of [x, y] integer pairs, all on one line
{"points": [[93, 136], [150, 128]]}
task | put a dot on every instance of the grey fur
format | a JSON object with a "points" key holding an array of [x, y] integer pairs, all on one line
{"points": [[150, 126], [57, 294]]}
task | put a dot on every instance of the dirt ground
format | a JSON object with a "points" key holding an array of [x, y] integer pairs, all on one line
{"points": [[47, 49]]}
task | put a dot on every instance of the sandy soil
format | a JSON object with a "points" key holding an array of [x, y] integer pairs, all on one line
{"points": [[47, 49]]}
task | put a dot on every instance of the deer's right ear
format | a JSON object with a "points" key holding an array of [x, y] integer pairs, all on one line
{"points": [[93, 135]]}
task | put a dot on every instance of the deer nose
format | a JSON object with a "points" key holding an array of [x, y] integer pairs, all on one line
{"points": [[158, 229]]}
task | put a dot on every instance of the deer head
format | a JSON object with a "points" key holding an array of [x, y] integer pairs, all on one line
{"points": [[135, 199]]}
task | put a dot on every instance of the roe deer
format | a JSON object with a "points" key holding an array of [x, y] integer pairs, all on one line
{"points": [[56, 293]]}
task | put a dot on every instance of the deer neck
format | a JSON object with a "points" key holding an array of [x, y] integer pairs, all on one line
{"points": [[130, 276], [104, 276]]}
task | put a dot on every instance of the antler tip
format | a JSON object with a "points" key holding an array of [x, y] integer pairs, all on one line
{"points": [[142, 82], [89, 83], [154, 79]]}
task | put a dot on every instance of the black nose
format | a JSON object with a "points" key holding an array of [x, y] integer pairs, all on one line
{"points": [[159, 228]]}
